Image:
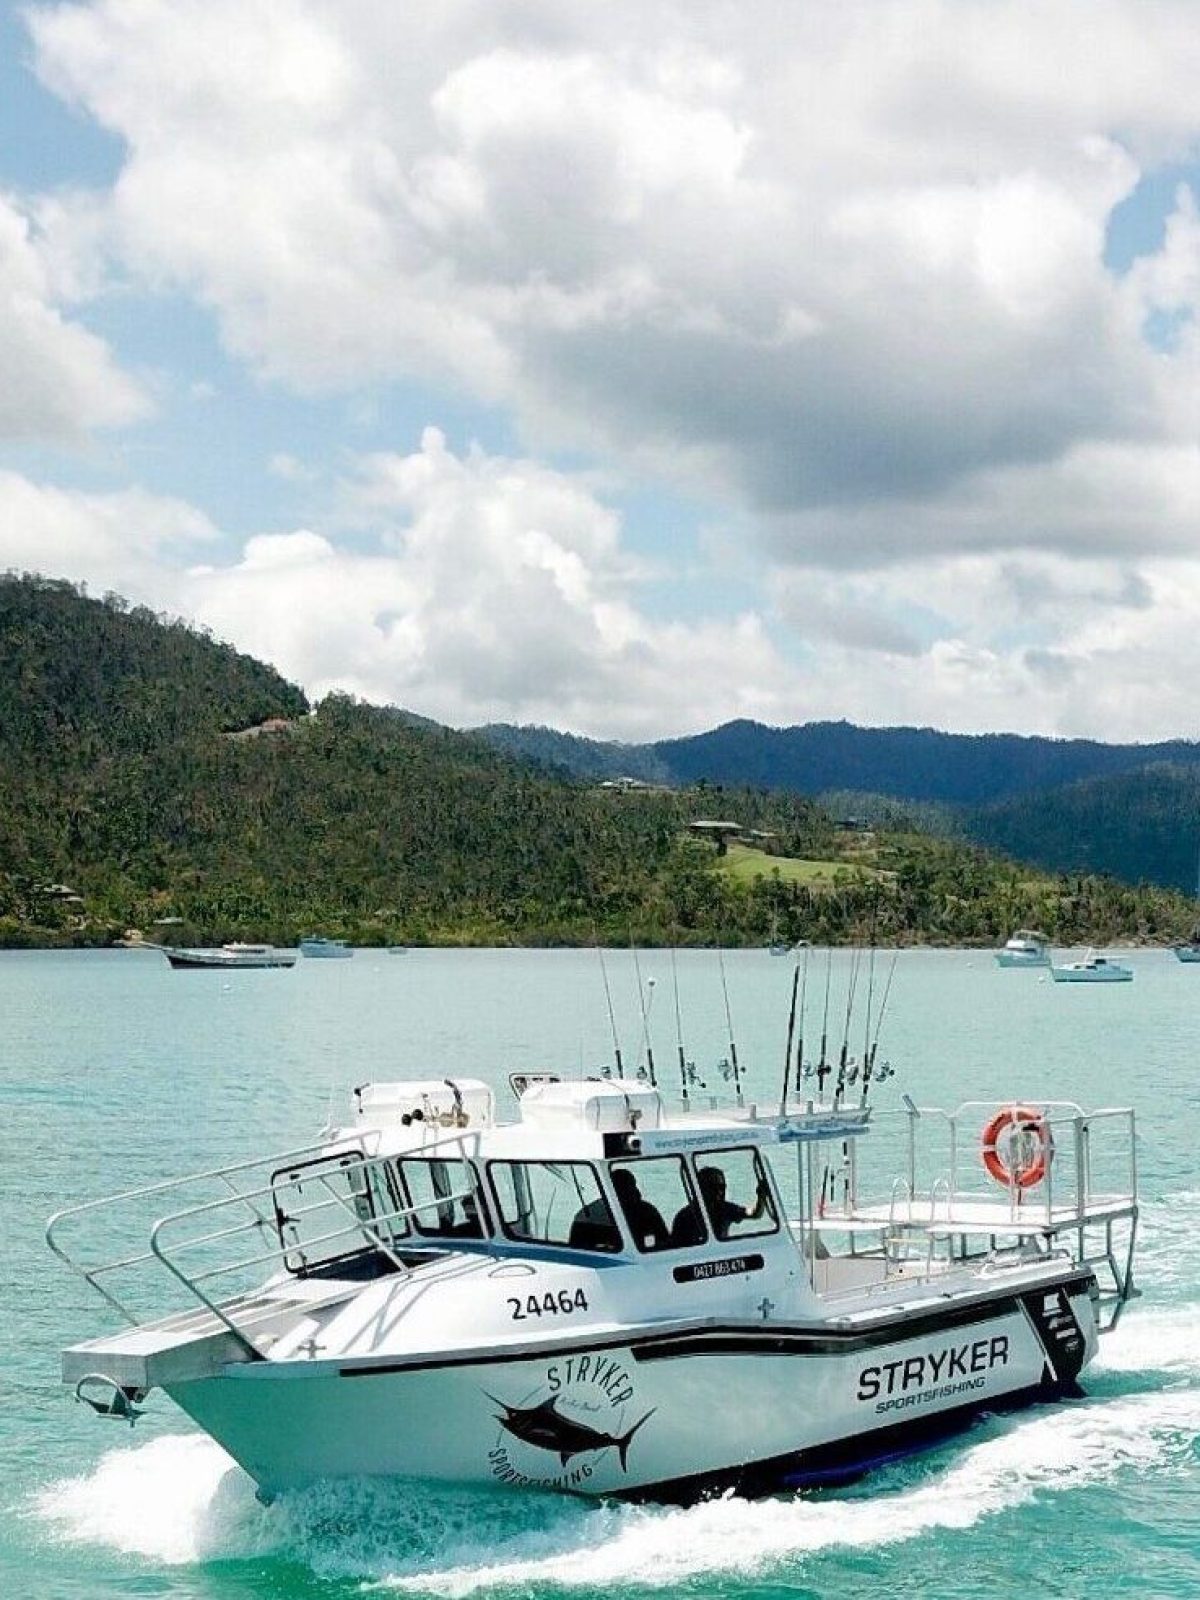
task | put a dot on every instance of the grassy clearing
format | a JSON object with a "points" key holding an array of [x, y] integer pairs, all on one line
{"points": [[743, 863]]}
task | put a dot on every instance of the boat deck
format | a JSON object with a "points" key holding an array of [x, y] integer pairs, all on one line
{"points": [[196, 1343], [979, 1216]]}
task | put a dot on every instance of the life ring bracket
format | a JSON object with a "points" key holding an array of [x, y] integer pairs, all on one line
{"points": [[1022, 1129]]}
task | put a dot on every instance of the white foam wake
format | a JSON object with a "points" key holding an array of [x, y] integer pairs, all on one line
{"points": [[1079, 1445], [180, 1500], [176, 1499], [1166, 1339]]}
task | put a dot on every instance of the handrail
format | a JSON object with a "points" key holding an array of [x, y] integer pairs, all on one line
{"points": [[369, 1227], [350, 1142], [361, 1147]]}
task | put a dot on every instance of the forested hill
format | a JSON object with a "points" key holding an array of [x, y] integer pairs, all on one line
{"points": [[153, 778], [1140, 826], [819, 757], [82, 680]]}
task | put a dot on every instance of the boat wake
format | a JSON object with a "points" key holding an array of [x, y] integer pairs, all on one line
{"points": [[179, 1499]]}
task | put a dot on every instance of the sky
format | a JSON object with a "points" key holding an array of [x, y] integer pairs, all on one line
{"points": [[621, 368]]}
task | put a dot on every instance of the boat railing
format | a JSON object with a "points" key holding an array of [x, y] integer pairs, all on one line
{"points": [[946, 1205], [1089, 1167], [350, 1177], [374, 1230]]}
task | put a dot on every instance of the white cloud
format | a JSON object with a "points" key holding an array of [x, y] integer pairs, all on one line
{"points": [[837, 269], [494, 589], [801, 257], [475, 588], [59, 380]]}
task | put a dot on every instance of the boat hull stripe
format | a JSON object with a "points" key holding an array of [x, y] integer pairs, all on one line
{"points": [[739, 1338]]}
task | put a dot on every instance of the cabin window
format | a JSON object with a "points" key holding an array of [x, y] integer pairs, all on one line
{"points": [[554, 1202], [445, 1193], [658, 1203], [316, 1204], [736, 1193]]}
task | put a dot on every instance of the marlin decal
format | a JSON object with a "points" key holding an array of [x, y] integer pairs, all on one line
{"points": [[545, 1427]]}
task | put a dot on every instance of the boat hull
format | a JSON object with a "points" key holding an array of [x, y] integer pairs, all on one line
{"points": [[1092, 975], [749, 1407], [192, 960], [1021, 958]]}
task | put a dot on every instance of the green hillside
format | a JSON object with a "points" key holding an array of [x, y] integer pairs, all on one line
{"points": [[139, 784], [1140, 826]]}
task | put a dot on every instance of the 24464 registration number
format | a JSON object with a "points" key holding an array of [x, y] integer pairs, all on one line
{"points": [[559, 1304]]}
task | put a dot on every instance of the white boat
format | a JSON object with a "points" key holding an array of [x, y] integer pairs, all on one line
{"points": [[1187, 952], [230, 955], [1092, 968], [1026, 948], [321, 948], [609, 1297]]}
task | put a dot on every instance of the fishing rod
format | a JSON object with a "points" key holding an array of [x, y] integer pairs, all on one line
{"points": [[843, 1059], [612, 1016], [823, 1067], [869, 1066], [637, 969], [791, 1033], [870, 980], [683, 1077], [798, 1070], [733, 1058]]}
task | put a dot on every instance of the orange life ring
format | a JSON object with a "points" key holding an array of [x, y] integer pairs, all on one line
{"points": [[1020, 1120]]}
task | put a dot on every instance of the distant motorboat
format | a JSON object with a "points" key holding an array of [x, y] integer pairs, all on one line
{"points": [[1026, 948], [1187, 952], [1092, 969], [315, 944], [230, 955]]}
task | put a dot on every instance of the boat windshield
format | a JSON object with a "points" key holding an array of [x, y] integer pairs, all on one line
{"points": [[658, 1202], [554, 1202], [737, 1195], [444, 1192]]}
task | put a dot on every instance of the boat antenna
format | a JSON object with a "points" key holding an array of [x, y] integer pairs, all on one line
{"points": [[869, 1064], [683, 1078], [791, 1033], [823, 1068], [637, 969], [733, 1059], [843, 1057], [612, 1016]]}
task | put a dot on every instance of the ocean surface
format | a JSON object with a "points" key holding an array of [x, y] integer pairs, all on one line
{"points": [[116, 1071]]}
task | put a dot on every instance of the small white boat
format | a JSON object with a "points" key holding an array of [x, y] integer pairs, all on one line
{"points": [[1187, 952], [1026, 948], [323, 949], [1092, 968], [610, 1297], [230, 955]]}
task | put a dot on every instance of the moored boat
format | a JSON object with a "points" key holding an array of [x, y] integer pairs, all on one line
{"points": [[1026, 948], [608, 1296], [1092, 968], [228, 956], [320, 948]]}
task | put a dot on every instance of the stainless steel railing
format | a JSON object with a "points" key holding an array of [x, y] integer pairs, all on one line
{"points": [[344, 1159]]}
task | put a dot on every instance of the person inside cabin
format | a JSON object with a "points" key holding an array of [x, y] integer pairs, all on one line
{"points": [[594, 1228], [645, 1221], [724, 1213], [688, 1226]]}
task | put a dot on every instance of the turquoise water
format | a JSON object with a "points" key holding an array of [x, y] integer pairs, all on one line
{"points": [[114, 1071]]}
